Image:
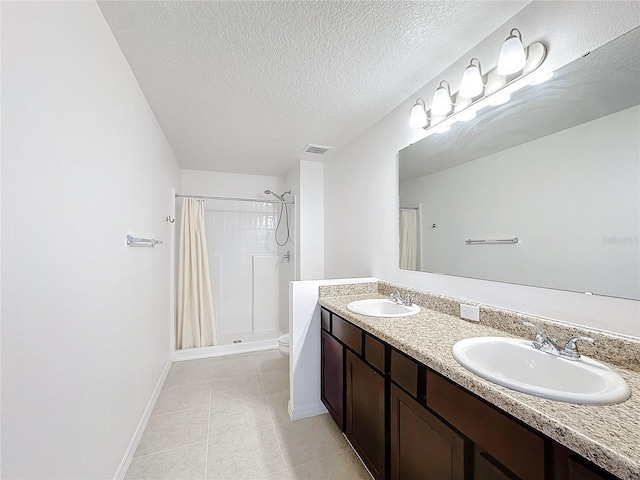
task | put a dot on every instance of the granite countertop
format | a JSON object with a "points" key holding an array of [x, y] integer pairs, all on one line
{"points": [[608, 435]]}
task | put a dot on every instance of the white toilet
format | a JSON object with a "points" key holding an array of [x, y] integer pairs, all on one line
{"points": [[283, 344]]}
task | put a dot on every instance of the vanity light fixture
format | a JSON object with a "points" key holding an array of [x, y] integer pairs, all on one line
{"points": [[419, 118], [512, 57], [478, 91], [472, 84], [442, 104]]}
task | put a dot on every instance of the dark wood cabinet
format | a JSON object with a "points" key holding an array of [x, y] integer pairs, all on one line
{"points": [[493, 431], [347, 333], [408, 422], [569, 466], [485, 467], [332, 371], [405, 372], [325, 319], [365, 427], [375, 353], [422, 446]]}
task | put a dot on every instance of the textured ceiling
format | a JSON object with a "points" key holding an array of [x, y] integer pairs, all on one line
{"points": [[244, 86]]}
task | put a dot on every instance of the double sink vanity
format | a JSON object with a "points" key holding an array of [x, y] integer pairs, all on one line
{"points": [[421, 393]]}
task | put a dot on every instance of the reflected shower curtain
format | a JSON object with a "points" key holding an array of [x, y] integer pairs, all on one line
{"points": [[195, 307], [409, 238]]}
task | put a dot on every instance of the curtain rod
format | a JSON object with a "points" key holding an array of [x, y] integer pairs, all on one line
{"points": [[236, 199]]}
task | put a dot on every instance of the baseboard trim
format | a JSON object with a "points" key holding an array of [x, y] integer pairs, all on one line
{"points": [[222, 350], [131, 450], [306, 410]]}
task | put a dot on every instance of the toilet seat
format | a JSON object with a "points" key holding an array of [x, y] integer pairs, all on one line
{"points": [[283, 344]]}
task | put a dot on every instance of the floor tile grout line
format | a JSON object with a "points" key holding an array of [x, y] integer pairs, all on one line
{"points": [[156, 415], [284, 460], [167, 387], [178, 411], [168, 450], [349, 450], [206, 458]]}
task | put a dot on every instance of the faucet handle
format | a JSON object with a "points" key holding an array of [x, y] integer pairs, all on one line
{"points": [[570, 350], [407, 300], [540, 336]]}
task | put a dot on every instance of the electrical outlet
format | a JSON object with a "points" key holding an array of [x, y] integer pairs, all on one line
{"points": [[470, 312]]}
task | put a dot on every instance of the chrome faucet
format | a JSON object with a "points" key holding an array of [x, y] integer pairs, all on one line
{"points": [[397, 298], [543, 343], [569, 349]]}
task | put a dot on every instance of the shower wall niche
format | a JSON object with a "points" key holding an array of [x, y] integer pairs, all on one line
{"points": [[249, 277]]}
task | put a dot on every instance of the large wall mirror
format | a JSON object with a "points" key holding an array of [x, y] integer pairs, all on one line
{"points": [[541, 191]]}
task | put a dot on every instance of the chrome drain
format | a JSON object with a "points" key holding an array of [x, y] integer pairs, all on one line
{"points": [[237, 341]]}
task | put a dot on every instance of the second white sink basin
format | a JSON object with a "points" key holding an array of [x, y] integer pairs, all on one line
{"points": [[381, 307], [515, 364]]}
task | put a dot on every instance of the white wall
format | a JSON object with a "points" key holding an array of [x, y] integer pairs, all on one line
{"points": [[311, 208], [292, 180], [219, 184], [85, 324], [361, 184], [548, 193]]}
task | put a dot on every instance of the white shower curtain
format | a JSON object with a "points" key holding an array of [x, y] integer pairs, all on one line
{"points": [[195, 307], [409, 238]]}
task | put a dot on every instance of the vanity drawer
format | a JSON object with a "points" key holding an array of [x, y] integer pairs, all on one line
{"points": [[348, 334], [570, 466], [493, 431], [325, 319], [374, 351], [404, 372]]}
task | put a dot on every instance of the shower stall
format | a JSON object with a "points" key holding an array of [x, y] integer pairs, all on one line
{"points": [[250, 257]]}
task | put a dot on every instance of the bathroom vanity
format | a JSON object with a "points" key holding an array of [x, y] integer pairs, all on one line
{"points": [[411, 411]]}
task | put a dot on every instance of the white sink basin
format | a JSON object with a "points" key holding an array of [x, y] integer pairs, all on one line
{"points": [[515, 364], [381, 307]]}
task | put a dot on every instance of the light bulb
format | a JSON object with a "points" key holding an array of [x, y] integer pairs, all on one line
{"points": [[472, 85], [441, 104], [512, 57], [418, 118]]}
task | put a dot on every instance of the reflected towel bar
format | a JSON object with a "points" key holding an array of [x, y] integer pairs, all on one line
{"points": [[492, 241], [148, 242]]}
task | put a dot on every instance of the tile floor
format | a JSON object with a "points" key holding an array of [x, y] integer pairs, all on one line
{"points": [[226, 418]]}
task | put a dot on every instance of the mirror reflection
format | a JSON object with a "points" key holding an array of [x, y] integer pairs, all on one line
{"points": [[541, 191]]}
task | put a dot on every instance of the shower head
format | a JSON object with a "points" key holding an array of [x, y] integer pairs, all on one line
{"points": [[269, 192]]}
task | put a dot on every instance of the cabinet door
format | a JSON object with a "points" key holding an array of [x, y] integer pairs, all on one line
{"points": [[520, 450], [570, 466], [485, 467], [365, 414], [422, 447], [332, 388]]}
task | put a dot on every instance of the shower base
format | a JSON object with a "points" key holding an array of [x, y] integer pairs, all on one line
{"points": [[227, 345]]}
